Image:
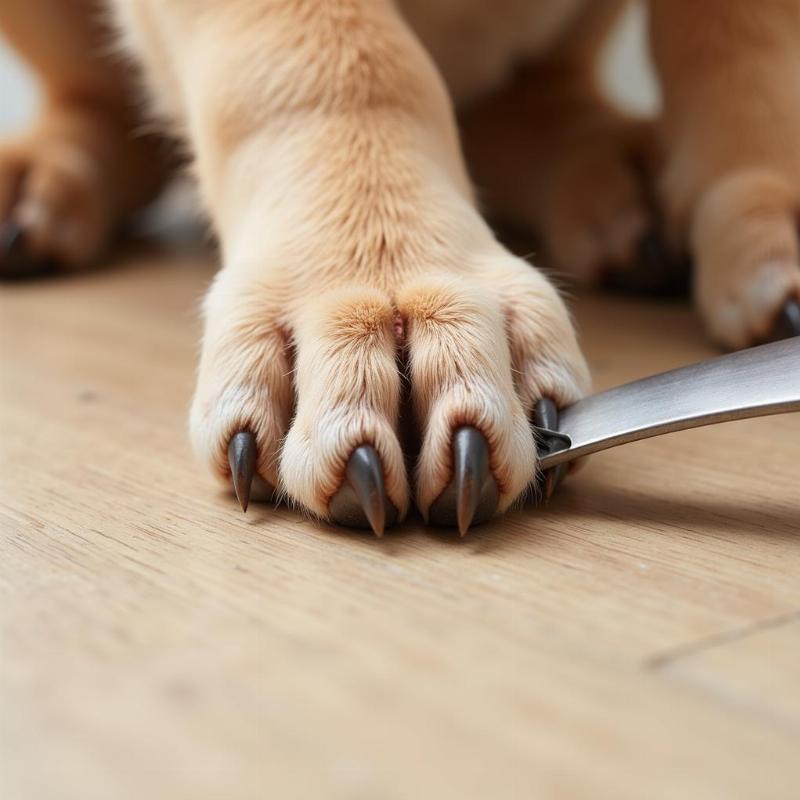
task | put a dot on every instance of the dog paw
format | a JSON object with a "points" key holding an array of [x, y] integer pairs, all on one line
{"points": [[747, 258], [602, 225], [65, 185], [315, 374]]}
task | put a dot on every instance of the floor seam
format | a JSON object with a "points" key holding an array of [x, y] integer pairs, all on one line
{"points": [[669, 657]]}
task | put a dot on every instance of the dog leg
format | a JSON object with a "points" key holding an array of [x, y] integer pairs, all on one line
{"points": [[66, 182], [552, 155], [328, 158], [732, 184]]}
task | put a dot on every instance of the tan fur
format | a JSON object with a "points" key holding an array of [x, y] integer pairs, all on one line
{"points": [[731, 125], [325, 146]]}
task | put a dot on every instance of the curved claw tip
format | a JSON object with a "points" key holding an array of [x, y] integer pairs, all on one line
{"points": [[242, 453], [365, 474], [472, 495], [471, 469], [362, 499]]}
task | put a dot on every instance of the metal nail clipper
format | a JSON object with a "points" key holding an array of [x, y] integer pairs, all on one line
{"points": [[757, 382]]}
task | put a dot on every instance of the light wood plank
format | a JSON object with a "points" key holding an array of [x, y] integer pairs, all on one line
{"points": [[756, 669]]}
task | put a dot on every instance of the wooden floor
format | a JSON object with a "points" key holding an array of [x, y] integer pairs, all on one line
{"points": [[640, 638]]}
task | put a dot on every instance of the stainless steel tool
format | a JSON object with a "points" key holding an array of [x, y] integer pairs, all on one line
{"points": [[757, 382]]}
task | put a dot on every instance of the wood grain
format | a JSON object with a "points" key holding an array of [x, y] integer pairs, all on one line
{"points": [[637, 638]]}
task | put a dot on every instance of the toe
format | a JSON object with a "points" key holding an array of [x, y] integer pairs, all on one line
{"points": [[550, 371], [242, 403], [461, 378], [341, 458], [546, 358], [745, 245]]}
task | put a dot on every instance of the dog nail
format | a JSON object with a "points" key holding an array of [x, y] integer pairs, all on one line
{"points": [[11, 241], [13, 257], [545, 415], [472, 495], [242, 460], [16, 261], [471, 456], [362, 501]]}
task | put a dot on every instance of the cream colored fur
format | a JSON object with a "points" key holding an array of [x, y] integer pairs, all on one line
{"points": [[334, 176]]}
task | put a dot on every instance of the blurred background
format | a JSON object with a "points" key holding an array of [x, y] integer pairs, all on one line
{"points": [[626, 72], [17, 92]]}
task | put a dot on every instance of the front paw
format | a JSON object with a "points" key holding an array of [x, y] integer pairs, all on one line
{"points": [[315, 377], [66, 185], [602, 224], [747, 258], [53, 210]]}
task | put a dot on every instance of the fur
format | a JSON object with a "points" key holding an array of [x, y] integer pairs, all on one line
{"points": [[324, 140]]}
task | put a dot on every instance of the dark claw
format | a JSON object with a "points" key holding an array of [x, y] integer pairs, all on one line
{"points": [[11, 241], [788, 322], [472, 495], [362, 500], [15, 260], [12, 250], [471, 469], [242, 453], [545, 416]]}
